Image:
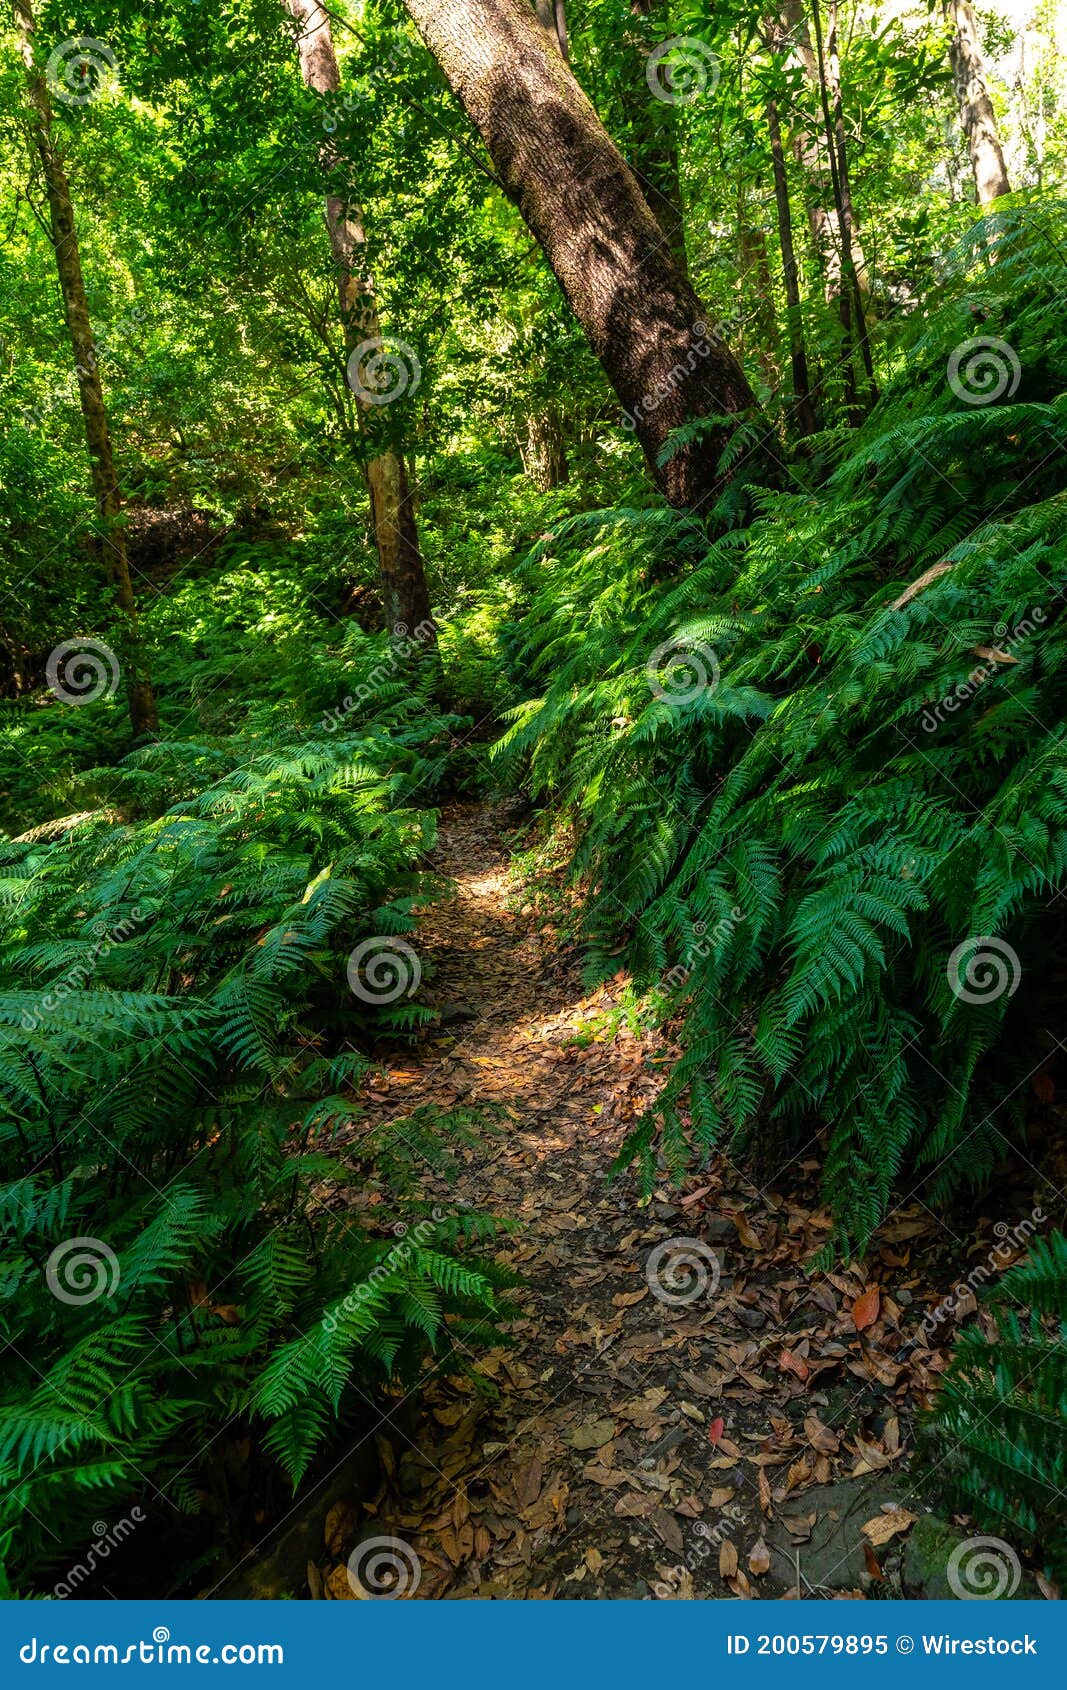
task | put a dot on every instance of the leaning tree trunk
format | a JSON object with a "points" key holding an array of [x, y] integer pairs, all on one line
{"points": [[976, 108], [584, 207], [107, 494], [402, 578]]}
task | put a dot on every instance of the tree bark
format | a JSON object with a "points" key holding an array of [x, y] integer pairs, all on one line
{"points": [[798, 357], [584, 207], [789, 31], [656, 163], [544, 451], [830, 96], [553, 16], [107, 494], [976, 108], [401, 575]]}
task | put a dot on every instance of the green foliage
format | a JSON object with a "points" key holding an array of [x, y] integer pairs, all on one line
{"points": [[997, 1430], [179, 1044], [791, 832]]}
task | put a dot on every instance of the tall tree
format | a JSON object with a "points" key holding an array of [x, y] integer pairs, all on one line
{"points": [[402, 577], [553, 15], [976, 108], [654, 123], [107, 493], [833, 114], [583, 204], [798, 357]]}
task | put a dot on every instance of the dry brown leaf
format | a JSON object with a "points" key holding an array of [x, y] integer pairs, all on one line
{"points": [[593, 1435], [866, 1308], [819, 1436], [527, 1482], [727, 1559], [759, 1558], [888, 1525]]}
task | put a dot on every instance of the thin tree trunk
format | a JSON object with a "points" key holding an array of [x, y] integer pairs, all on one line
{"points": [[402, 578], [830, 95], [657, 164], [798, 357], [583, 205], [544, 451], [976, 108], [790, 32], [553, 15], [107, 494]]}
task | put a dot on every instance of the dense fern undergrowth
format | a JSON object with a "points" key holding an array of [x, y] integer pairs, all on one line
{"points": [[815, 773], [182, 1266], [801, 776]]}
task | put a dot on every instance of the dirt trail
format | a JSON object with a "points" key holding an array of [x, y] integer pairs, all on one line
{"points": [[722, 1432]]}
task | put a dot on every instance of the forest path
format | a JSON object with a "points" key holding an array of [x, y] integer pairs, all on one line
{"points": [[637, 1446]]}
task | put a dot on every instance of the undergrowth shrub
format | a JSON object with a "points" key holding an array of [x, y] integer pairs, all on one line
{"points": [[197, 1238], [799, 789], [998, 1427]]}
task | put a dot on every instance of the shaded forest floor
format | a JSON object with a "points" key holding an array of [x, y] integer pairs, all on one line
{"points": [[753, 1438]]}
